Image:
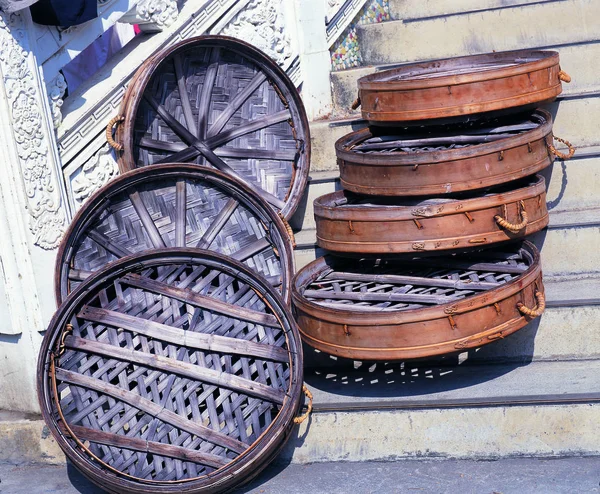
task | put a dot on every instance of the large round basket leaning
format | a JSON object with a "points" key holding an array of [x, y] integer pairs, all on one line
{"points": [[218, 101], [175, 205], [350, 223], [376, 309], [458, 87], [176, 370], [438, 160]]}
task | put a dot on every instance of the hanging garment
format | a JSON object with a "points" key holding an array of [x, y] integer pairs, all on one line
{"points": [[87, 63], [64, 13], [14, 5]]}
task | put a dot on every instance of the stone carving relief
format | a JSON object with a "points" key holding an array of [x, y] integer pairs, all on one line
{"points": [[46, 217], [94, 174], [262, 24], [56, 93], [158, 13], [333, 6]]}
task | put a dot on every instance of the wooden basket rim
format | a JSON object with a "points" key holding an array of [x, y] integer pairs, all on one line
{"points": [[545, 59], [133, 97], [309, 273], [399, 158], [87, 213], [325, 205], [282, 422]]}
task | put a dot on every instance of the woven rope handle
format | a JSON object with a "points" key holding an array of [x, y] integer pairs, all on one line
{"points": [[304, 416], [563, 76], [289, 230], [513, 227], [557, 153], [109, 132], [356, 103], [536, 311]]}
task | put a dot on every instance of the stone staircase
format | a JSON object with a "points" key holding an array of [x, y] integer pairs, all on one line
{"points": [[535, 393]]}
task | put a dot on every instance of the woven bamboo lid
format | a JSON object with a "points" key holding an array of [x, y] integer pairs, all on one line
{"points": [[176, 370], [219, 101], [175, 205]]}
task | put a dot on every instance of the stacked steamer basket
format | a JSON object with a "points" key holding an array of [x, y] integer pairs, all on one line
{"points": [[173, 363], [447, 166]]}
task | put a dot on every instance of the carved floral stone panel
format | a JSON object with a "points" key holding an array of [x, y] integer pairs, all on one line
{"points": [[261, 23], [47, 219]]}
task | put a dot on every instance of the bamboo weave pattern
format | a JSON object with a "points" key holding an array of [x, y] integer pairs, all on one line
{"points": [[170, 365]]}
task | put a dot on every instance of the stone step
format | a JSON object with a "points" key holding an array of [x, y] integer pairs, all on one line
{"points": [[574, 59], [394, 411], [401, 9], [390, 411], [576, 119], [538, 24]]}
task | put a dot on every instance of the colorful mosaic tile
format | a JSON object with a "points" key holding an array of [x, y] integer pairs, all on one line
{"points": [[344, 52]]}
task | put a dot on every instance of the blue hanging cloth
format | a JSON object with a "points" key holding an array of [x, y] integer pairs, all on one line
{"points": [[63, 13]]}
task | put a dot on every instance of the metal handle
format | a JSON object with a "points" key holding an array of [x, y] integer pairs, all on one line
{"points": [[109, 132], [356, 103], [536, 311], [557, 153], [563, 76], [513, 227], [304, 416]]}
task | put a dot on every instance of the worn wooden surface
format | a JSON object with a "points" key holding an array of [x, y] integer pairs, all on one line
{"points": [[460, 86], [372, 309], [219, 101], [174, 205], [444, 159], [175, 370], [352, 223]]}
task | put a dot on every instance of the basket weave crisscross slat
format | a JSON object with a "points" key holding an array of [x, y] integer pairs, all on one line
{"points": [[218, 101], [175, 205], [173, 366], [411, 308]]}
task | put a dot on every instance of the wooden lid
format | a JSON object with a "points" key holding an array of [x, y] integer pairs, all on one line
{"points": [[219, 101], [174, 205], [173, 370], [456, 88]]}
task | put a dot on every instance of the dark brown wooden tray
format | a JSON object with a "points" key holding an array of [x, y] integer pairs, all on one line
{"points": [[351, 223], [461, 86], [176, 370], [175, 205], [382, 309], [445, 159], [219, 101]]}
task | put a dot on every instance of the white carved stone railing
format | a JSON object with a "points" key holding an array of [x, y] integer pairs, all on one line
{"points": [[339, 16]]}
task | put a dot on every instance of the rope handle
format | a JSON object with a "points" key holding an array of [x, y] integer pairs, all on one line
{"points": [[557, 153], [536, 311], [304, 416], [513, 227], [563, 76], [289, 230], [356, 103], [109, 132]]}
